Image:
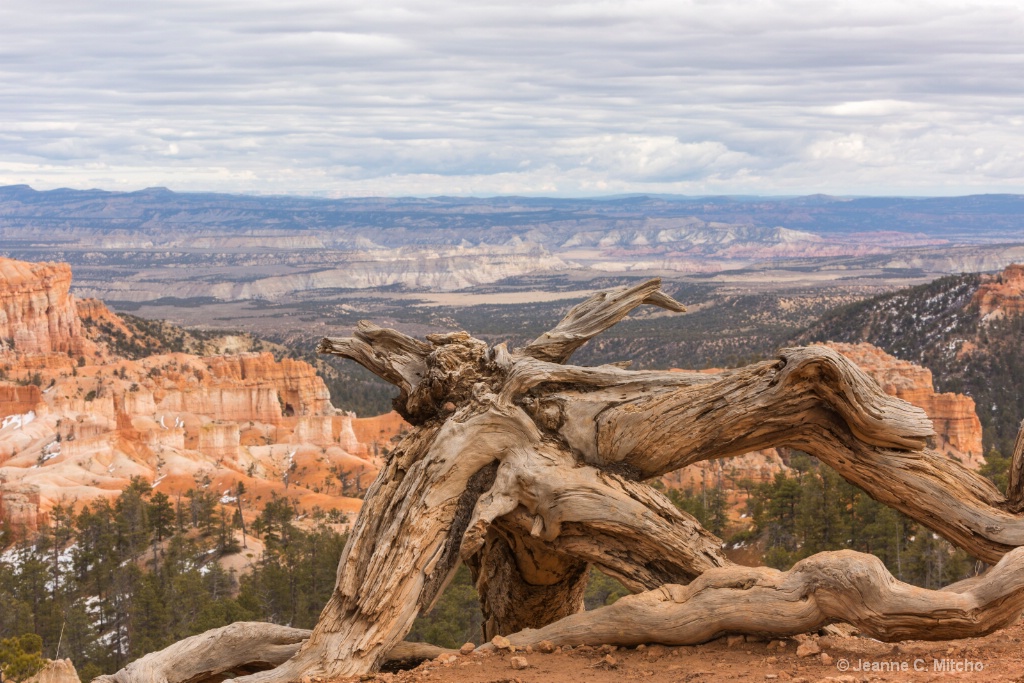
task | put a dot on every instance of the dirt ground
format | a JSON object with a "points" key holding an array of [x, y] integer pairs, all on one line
{"points": [[998, 657]]}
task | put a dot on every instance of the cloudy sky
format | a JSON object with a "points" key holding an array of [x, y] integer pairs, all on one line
{"points": [[546, 97]]}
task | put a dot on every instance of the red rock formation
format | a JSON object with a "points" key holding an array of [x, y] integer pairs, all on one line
{"points": [[18, 400], [178, 420], [96, 311], [1002, 294], [299, 390], [37, 311]]}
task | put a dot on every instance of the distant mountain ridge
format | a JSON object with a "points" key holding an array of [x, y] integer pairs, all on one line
{"points": [[138, 246], [987, 215]]}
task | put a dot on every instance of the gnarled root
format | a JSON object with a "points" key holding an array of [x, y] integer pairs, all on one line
{"points": [[240, 648], [825, 588]]}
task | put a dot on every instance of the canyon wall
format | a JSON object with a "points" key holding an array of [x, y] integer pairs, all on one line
{"points": [[37, 310], [1001, 294], [79, 421]]}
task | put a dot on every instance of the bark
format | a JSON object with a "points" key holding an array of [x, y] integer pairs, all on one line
{"points": [[1015, 488], [523, 584], [822, 589], [531, 470], [629, 530]]}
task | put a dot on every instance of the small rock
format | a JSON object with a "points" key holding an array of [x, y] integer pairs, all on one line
{"points": [[655, 651], [771, 676], [641, 647], [609, 661], [607, 649], [807, 648], [546, 646], [733, 641], [558, 650], [519, 663], [467, 648], [774, 644], [529, 649], [501, 642], [826, 659], [449, 407], [772, 660]]}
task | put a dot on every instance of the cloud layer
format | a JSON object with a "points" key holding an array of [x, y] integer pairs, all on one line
{"points": [[557, 98]]}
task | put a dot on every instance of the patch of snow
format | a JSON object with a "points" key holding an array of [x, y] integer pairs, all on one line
{"points": [[18, 421]]}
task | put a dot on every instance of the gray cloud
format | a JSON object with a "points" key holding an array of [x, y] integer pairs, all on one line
{"points": [[546, 97]]}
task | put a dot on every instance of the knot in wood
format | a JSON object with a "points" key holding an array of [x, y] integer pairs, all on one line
{"points": [[457, 363]]}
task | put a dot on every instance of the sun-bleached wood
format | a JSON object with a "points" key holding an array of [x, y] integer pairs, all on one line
{"points": [[531, 470], [842, 586], [242, 647]]}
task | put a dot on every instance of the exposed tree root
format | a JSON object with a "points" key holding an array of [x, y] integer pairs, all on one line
{"points": [[843, 586], [240, 648]]}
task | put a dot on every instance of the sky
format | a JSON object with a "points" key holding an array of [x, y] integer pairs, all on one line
{"points": [[340, 98]]}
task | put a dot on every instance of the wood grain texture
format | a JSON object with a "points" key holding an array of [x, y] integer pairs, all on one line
{"points": [[1015, 487], [239, 648], [843, 586]]}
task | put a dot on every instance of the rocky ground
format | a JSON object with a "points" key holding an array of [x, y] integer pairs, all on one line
{"points": [[998, 657]]}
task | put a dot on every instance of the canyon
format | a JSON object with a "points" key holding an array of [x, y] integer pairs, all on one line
{"points": [[1001, 294], [154, 244], [80, 420]]}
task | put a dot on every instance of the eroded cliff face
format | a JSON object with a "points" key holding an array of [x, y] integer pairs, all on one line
{"points": [[1001, 294], [91, 421], [37, 311]]}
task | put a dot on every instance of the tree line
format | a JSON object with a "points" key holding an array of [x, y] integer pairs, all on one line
{"points": [[117, 579]]}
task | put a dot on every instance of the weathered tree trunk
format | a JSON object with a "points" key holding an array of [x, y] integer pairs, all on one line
{"points": [[531, 470], [523, 584]]}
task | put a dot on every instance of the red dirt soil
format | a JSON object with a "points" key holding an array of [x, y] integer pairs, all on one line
{"points": [[999, 657]]}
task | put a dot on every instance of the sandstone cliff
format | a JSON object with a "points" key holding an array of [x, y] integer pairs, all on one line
{"points": [[1001, 294], [37, 311], [77, 427]]}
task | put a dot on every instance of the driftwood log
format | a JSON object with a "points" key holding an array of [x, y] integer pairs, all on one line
{"points": [[531, 470]]}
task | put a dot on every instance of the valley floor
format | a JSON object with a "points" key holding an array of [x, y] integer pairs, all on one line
{"points": [[997, 657]]}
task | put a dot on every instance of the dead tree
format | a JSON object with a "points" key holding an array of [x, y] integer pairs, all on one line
{"points": [[531, 470]]}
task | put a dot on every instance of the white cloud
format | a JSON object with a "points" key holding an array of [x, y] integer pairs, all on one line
{"points": [[499, 97]]}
